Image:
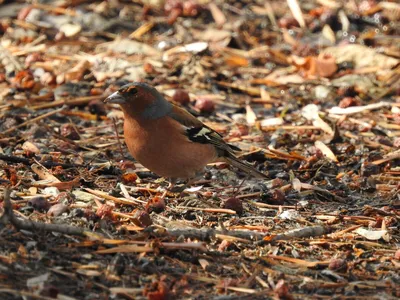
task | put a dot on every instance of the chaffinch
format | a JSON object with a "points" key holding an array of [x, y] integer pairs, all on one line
{"points": [[167, 139]]}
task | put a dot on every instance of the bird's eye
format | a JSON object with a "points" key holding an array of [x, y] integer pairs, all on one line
{"points": [[132, 90], [129, 90]]}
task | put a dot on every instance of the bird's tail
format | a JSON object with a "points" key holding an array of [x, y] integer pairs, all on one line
{"points": [[245, 167]]}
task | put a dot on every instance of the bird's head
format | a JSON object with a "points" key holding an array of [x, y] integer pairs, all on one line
{"points": [[140, 100], [130, 93]]}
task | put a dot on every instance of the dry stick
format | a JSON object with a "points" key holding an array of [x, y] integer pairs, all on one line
{"points": [[209, 234], [134, 248], [27, 161], [24, 293], [11, 57], [302, 233], [119, 142], [56, 10], [210, 209], [76, 101], [9, 217], [32, 121]]}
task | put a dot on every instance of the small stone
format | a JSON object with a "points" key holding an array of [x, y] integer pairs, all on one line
{"points": [[338, 264], [97, 107], [69, 131], [181, 97], [39, 203], [57, 210], [142, 218], [155, 204], [205, 105], [51, 190], [397, 254], [282, 290], [348, 101], [129, 178], [321, 92], [70, 29], [234, 204], [104, 211]]}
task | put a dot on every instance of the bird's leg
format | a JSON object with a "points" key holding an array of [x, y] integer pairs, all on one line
{"points": [[171, 185], [172, 182], [190, 182]]}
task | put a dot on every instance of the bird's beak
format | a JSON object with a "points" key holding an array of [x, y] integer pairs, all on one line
{"points": [[115, 98]]}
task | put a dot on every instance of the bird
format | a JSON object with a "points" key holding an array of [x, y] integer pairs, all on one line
{"points": [[167, 139]]}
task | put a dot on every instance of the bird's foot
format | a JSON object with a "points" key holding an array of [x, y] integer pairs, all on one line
{"points": [[178, 188], [184, 188]]}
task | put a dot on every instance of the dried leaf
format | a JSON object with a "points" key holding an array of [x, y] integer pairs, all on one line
{"points": [[357, 109], [30, 147], [251, 117], [329, 34], [77, 72], [361, 56], [130, 47], [43, 173], [203, 263], [217, 14], [70, 29], [310, 112], [344, 20], [189, 48], [373, 235], [324, 65], [289, 214], [296, 184], [194, 189], [326, 151], [296, 11], [271, 122]]}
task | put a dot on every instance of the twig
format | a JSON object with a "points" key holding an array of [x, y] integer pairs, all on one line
{"points": [[265, 205], [130, 201], [307, 186], [13, 60], [72, 102], [24, 294], [210, 210], [55, 10], [134, 248], [302, 233], [9, 217], [32, 121], [118, 140], [27, 161], [388, 157], [209, 234], [245, 236]]}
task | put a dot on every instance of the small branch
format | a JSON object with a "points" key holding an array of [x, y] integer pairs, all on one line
{"points": [[9, 217], [140, 249], [244, 236], [24, 294], [55, 10], [299, 233], [27, 161], [32, 121], [69, 102], [118, 140], [210, 209], [209, 234]]}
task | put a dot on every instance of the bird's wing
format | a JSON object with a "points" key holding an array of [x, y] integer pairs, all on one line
{"points": [[198, 132]]}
